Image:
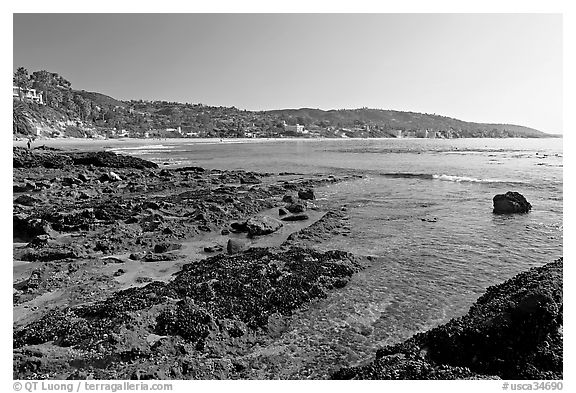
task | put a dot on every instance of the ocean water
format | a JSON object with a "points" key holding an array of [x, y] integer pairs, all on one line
{"points": [[423, 210]]}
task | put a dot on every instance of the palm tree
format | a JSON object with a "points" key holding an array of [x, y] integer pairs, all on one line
{"points": [[20, 119], [22, 80]]}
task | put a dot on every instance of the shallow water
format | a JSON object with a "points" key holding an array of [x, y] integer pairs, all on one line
{"points": [[423, 209]]}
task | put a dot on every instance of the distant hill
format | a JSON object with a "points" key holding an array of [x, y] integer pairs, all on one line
{"points": [[405, 121], [80, 113], [100, 99]]}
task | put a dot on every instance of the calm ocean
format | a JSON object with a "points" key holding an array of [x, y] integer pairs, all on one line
{"points": [[423, 209]]}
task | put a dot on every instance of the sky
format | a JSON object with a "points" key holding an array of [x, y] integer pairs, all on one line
{"points": [[493, 68]]}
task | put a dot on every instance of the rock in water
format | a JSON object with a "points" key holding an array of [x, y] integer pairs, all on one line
{"points": [[296, 217], [234, 246], [511, 202], [262, 225]]}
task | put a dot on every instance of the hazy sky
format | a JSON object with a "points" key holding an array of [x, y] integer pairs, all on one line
{"points": [[499, 68]]}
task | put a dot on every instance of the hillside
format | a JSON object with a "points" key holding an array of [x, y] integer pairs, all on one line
{"points": [[69, 112], [405, 121]]}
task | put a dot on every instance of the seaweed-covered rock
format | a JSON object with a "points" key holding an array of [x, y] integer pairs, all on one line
{"points": [[186, 320], [232, 293], [511, 202], [513, 331]]}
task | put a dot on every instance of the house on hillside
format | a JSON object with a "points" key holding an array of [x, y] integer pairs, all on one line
{"points": [[27, 94], [299, 129]]}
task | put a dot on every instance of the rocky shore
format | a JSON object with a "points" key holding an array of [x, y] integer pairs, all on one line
{"points": [[126, 270], [122, 271], [513, 331]]}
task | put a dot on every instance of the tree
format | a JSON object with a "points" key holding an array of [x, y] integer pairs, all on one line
{"points": [[44, 81], [20, 119], [84, 107], [22, 80]]}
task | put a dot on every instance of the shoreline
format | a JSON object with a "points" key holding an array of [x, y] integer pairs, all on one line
{"points": [[87, 142]]}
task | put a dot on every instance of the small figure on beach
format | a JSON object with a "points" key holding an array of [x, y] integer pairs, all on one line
{"points": [[29, 143]]}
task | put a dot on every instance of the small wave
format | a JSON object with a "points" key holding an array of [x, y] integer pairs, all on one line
{"points": [[443, 177], [468, 179], [143, 147], [409, 175]]}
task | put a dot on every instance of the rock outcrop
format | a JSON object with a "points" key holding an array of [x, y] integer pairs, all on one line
{"points": [[262, 225], [511, 202], [513, 331]]}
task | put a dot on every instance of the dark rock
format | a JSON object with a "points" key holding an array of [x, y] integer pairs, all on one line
{"points": [[262, 225], [186, 320], [110, 160], [53, 252], [150, 257], [290, 198], [39, 241], [296, 217], [24, 158], [27, 200], [165, 247], [306, 194], [136, 256], [282, 212], [26, 227], [511, 202], [213, 248], [513, 331], [224, 232], [298, 207], [69, 181], [234, 246], [119, 272], [110, 177], [23, 187], [250, 179], [34, 280], [191, 169], [239, 226]]}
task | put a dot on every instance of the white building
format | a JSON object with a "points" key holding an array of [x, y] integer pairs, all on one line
{"points": [[297, 128], [27, 94]]}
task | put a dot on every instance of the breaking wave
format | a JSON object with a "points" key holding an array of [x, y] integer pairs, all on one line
{"points": [[443, 177]]}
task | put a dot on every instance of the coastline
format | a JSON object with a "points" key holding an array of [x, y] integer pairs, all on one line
{"points": [[99, 143]]}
